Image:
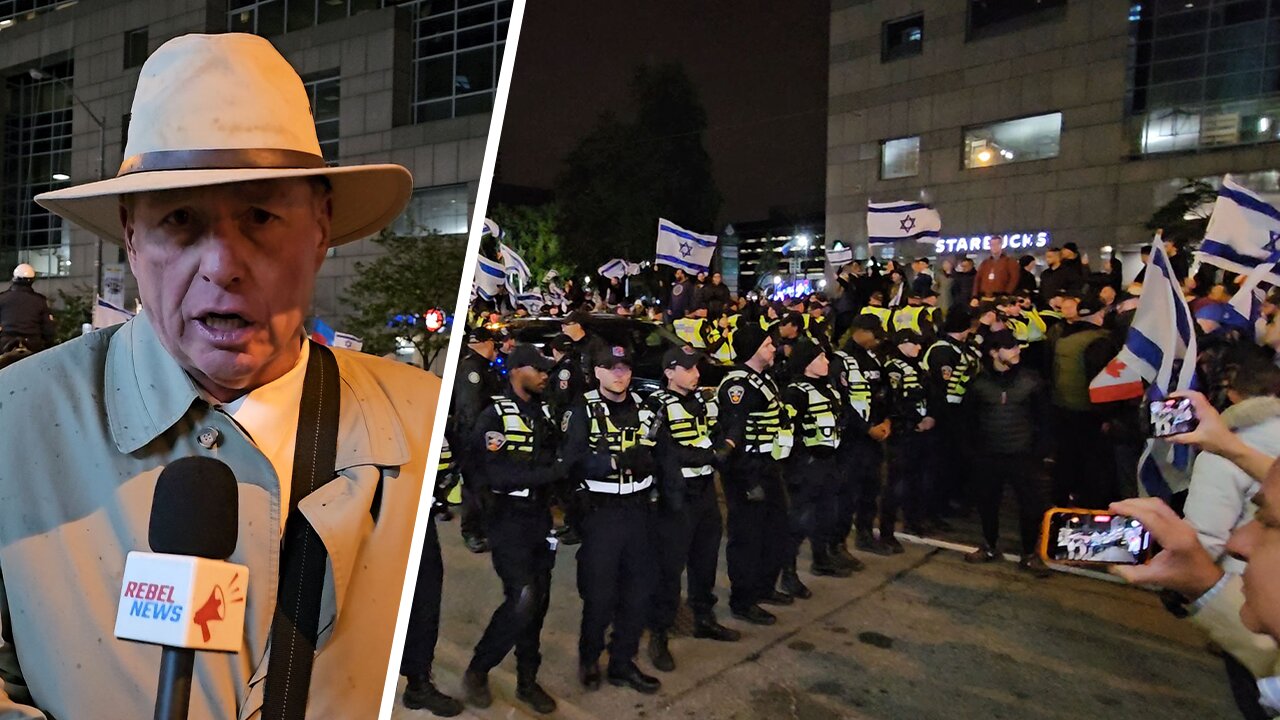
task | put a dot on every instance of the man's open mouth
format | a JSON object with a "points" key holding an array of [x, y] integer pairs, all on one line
{"points": [[224, 321]]}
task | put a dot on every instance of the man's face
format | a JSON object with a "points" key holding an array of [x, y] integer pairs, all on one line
{"points": [[1052, 258], [1069, 307], [573, 330], [997, 245], [966, 266], [1008, 356], [818, 367], [226, 274], [1108, 294], [529, 379], [683, 379], [764, 354], [486, 349], [716, 278], [614, 379], [909, 349], [1258, 543], [866, 339], [788, 331]]}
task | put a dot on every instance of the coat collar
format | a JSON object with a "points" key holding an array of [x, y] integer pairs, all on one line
{"points": [[147, 393]]}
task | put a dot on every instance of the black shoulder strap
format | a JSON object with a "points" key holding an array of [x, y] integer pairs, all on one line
{"points": [[295, 627]]}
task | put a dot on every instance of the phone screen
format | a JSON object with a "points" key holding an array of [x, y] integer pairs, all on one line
{"points": [[1096, 537], [1172, 417]]}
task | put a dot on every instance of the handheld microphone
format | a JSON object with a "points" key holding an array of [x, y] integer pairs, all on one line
{"points": [[183, 595]]}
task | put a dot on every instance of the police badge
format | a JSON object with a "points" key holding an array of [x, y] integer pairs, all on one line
{"points": [[494, 440], [736, 393], [564, 421]]}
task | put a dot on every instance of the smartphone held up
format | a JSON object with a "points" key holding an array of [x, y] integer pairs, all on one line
{"points": [[1094, 537]]}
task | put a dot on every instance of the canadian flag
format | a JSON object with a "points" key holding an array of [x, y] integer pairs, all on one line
{"points": [[1118, 381]]}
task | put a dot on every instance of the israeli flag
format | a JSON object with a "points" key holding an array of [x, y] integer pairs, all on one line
{"points": [[531, 299], [490, 228], [897, 221], [106, 314], [1243, 231], [1247, 302], [1160, 343], [513, 263], [682, 249], [490, 278], [347, 341], [841, 257], [618, 268]]}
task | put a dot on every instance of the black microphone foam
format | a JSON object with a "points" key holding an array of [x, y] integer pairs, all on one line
{"points": [[195, 510]]}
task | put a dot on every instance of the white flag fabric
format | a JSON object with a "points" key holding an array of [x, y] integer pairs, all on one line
{"points": [[1243, 231], [106, 314], [897, 221], [1163, 331], [513, 263], [490, 278], [841, 257], [347, 341], [618, 268], [1246, 304], [531, 299], [683, 249], [490, 228]]}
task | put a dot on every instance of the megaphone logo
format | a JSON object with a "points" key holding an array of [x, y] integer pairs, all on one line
{"points": [[212, 610]]}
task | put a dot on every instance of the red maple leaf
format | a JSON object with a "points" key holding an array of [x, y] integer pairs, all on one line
{"points": [[1115, 367]]}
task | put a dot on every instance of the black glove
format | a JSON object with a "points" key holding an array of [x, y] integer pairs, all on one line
{"points": [[637, 460], [755, 493], [722, 454]]}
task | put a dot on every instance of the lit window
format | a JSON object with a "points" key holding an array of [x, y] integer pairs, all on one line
{"points": [[1011, 141], [900, 158], [457, 54], [902, 38], [440, 209]]}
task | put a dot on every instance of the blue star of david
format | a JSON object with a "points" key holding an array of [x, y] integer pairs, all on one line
{"points": [[1271, 245], [907, 224], [685, 249]]}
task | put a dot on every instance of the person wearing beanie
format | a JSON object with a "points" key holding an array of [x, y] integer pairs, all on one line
{"points": [[25, 318], [1006, 418], [951, 362], [474, 384], [912, 415], [812, 473], [785, 333], [752, 421]]}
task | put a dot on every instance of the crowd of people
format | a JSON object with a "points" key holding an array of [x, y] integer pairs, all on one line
{"points": [[915, 394]]}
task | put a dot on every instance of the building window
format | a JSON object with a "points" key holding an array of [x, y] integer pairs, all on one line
{"points": [[902, 38], [15, 11], [1203, 74], [37, 158], [457, 54], [440, 209], [993, 17], [135, 48], [324, 93], [900, 158], [273, 17], [1012, 141]]}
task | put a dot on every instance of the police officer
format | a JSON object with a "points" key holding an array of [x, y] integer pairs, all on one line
{"points": [[696, 330], [811, 473], [912, 417], [25, 318], [474, 386], [424, 615], [866, 428], [687, 525], [951, 362], [567, 384], [582, 347], [752, 421], [875, 308], [607, 452], [515, 444], [784, 333]]}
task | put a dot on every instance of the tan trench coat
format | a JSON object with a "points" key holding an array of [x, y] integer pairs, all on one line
{"points": [[85, 429]]}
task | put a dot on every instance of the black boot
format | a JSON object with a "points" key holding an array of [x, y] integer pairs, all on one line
{"points": [[707, 628], [422, 694], [891, 542], [629, 675], [659, 653], [824, 563], [777, 597], [755, 615], [529, 692], [589, 674], [867, 542], [476, 543], [791, 584], [475, 688], [840, 555]]}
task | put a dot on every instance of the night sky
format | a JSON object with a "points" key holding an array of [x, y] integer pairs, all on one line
{"points": [[761, 66]]}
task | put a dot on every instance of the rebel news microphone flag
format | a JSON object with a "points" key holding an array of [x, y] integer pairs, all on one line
{"points": [[182, 595]]}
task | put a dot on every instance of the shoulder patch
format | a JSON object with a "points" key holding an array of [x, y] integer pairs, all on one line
{"points": [[494, 440], [678, 289], [947, 372], [564, 373], [564, 421], [473, 377], [736, 393]]}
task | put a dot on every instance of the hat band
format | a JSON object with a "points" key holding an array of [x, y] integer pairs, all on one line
{"points": [[224, 159]]}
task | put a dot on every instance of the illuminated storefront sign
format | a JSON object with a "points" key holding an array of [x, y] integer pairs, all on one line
{"points": [[1012, 241]]}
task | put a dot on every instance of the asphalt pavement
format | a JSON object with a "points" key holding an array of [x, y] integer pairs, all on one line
{"points": [[917, 636]]}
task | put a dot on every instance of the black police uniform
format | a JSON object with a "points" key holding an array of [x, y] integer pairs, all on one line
{"points": [[25, 318], [866, 386], [908, 486], [812, 474], [474, 386], [514, 443], [951, 365], [617, 566], [687, 526], [751, 416]]}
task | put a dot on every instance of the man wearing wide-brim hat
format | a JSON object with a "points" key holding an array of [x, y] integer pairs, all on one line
{"points": [[226, 209]]}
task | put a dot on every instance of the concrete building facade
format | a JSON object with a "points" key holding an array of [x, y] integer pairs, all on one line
{"points": [[410, 82], [1057, 120]]}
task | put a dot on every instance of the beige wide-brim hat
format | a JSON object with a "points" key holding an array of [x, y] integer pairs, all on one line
{"points": [[228, 108]]}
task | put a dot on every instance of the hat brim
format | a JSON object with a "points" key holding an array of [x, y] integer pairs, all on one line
{"points": [[366, 198]]}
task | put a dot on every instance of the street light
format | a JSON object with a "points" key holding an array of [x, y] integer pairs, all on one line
{"points": [[37, 74]]}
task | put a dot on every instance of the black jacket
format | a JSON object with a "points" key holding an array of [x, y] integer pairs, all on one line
{"points": [[25, 313], [1006, 410]]}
